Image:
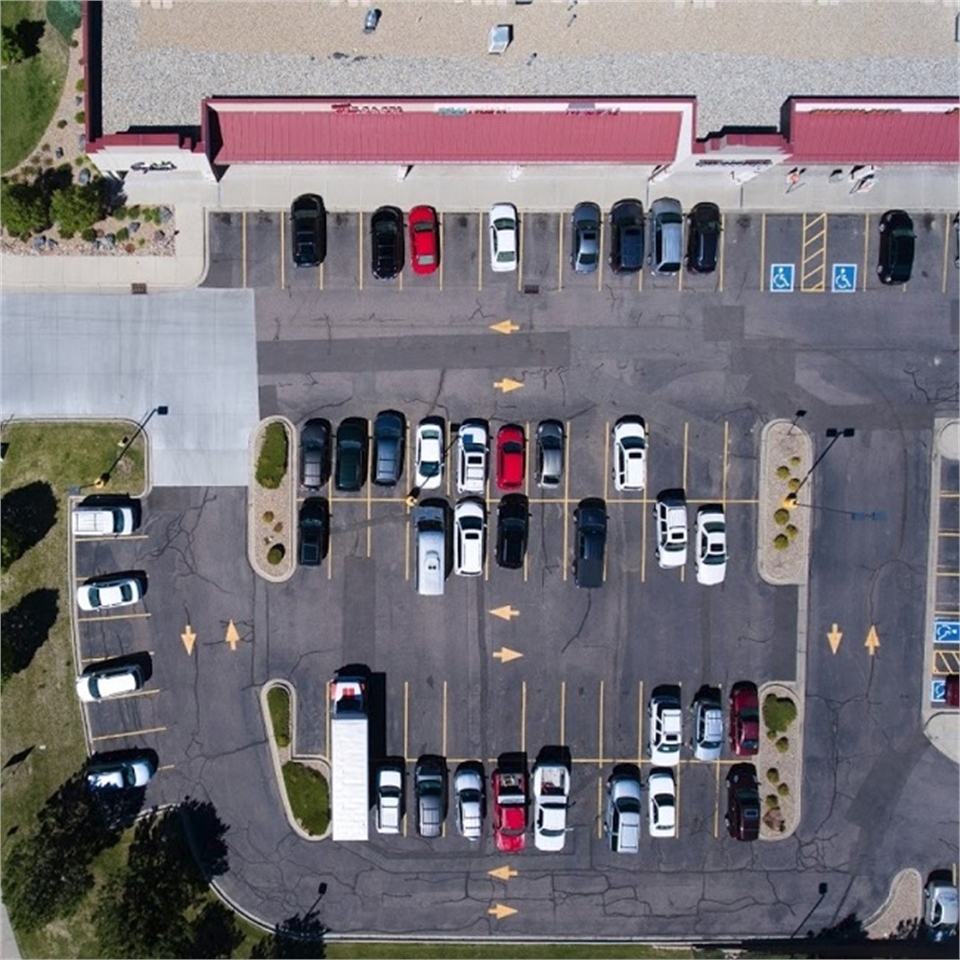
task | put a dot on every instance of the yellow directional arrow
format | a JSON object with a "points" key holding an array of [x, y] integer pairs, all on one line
{"points": [[233, 635], [505, 654], [506, 384], [835, 636], [502, 873], [872, 641], [189, 638], [500, 910], [505, 326], [505, 613]]}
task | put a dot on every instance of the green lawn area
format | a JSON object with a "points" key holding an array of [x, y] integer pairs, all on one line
{"points": [[29, 91], [279, 702], [40, 708], [309, 797]]}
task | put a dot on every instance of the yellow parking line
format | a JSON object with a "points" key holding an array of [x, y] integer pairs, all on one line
{"points": [[243, 248], [523, 717], [116, 616], [440, 251], [946, 251], [406, 721], [723, 476], [360, 247], [639, 722], [166, 766], [607, 441], [723, 227], [763, 250], [566, 501], [686, 450], [599, 807], [866, 249], [443, 722], [600, 258], [130, 733], [563, 709], [480, 255], [560, 252], [521, 218], [600, 729], [283, 253]]}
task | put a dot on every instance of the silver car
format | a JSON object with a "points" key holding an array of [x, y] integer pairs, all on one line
{"points": [[585, 246], [707, 724], [621, 818], [550, 450], [468, 793]]}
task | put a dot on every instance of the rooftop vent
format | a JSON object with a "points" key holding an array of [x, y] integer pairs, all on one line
{"points": [[500, 38]]}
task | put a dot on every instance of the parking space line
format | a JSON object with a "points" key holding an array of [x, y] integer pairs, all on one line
{"points": [[676, 779], [406, 721], [686, 450], [723, 476], [566, 501], [606, 460], [166, 766], [723, 228], [563, 708], [523, 717], [330, 541], [599, 807], [946, 251], [866, 249], [320, 277], [560, 252], [366, 487], [639, 722], [813, 273], [600, 730], [640, 279], [447, 449], [480, 255], [443, 722], [243, 249], [600, 259], [440, 252], [360, 247], [520, 248], [763, 250], [283, 258], [128, 733], [116, 616]]}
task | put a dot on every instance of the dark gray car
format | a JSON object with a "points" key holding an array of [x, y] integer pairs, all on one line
{"points": [[389, 433], [626, 236], [591, 521], [549, 468], [351, 454], [585, 248], [315, 453], [430, 787]]}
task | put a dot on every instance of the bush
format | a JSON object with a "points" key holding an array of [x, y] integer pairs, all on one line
{"points": [[272, 462], [123, 234], [778, 712], [78, 161], [79, 86], [771, 801], [121, 213], [276, 554], [793, 485], [77, 207], [23, 208], [134, 211], [791, 531], [783, 472], [61, 124], [80, 116], [141, 241], [782, 745], [90, 235], [268, 516], [278, 700], [773, 775], [794, 461], [781, 541], [278, 527], [781, 516], [783, 790]]}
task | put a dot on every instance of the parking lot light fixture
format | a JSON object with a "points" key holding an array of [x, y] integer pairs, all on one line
{"points": [[790, 500], [104, 478]]}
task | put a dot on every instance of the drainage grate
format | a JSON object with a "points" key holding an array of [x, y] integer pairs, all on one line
{"points": [[138, 288], [531, 288]]}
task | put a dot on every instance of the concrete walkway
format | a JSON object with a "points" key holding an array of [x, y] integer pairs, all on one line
{"points": [[9, 948], [453, 188]]}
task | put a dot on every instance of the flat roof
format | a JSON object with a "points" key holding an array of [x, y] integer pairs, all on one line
{"points": [[741, 59]]}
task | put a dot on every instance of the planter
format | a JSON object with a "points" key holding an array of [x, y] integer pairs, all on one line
{"points": [[272, 510]]}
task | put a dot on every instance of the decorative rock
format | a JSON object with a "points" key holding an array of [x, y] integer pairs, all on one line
{"points": [[82, 141], [78, 101], [159, 236], [165, 214], [133, 226], [109, 240], [39, 243], [58, 153], [83, 177], [52, 244]]}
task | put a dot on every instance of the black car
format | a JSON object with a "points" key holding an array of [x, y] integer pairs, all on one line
{"points": [[386, 234], [513, 518], [626, 236], [314, 530], [309, 230], [591, 520], [703, 238], [315, 453], [389, 432], [743, 802], [351, 454], [897, 241]]}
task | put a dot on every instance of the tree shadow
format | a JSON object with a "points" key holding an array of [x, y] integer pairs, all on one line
{"points": [[299, 936], [215, 932], [28, 34], [24, 628], [206, 832], [54, 178], [27, 514]]}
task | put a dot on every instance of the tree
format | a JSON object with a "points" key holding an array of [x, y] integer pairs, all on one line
{"points": [[77, 207], [24, 208], [11, 48]]}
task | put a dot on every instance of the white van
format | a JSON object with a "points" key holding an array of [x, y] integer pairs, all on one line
{"points": [[430, 524]]}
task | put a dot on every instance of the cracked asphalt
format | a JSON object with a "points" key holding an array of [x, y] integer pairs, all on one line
{"points": [[706, 370]]}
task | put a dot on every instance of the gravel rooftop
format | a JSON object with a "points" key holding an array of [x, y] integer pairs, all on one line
{"points": [[740, 58]]}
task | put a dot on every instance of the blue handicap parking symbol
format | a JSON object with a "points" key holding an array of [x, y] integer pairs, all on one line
{"points": [[781, 277], [938, 690], [946, 631], [844, 278]]}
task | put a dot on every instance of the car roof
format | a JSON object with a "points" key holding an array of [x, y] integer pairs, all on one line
{"points": [[665, 205], [626, 209]]}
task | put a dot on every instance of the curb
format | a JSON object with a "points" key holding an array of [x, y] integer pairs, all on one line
{"points": [[315, 762], [902, 903], [767, 756], [771, 563], [288, 565]]}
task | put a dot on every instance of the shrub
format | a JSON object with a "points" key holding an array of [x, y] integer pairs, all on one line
{"points": [[80, 116], [782, 745], [781, 516], [772, 801], [121, 213], [90, 235], [61, 124], [268, 516], [276, 553], [278, 527], [134, 211], [45, 148], [781, 541], [79, 85], [791, 531], [794, 485], [123, 234], [23, 208], [77, 207], [272, 462], [278, 700], [778, 712], [78, 161], [140, 241], [64, 16], [773, 775], [783, 790], [794, 461], [783, 472]]}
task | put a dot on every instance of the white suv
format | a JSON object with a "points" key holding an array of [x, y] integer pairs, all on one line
{"points": [[472, 443], [630, 454], [389, 799], [666, 729], [469, 523], [671, 514]]}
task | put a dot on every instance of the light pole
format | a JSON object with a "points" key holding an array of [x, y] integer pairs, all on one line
{"points": [[790, 500], [796, 417], [104, 477]]}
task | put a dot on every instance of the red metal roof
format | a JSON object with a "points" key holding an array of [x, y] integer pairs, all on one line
{"points": [[261, 134], [877, 132]]}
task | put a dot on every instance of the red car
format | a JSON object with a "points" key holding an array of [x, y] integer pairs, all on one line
{"points": [[511, 457], [509, 810], [744, 719], [424, 240]]}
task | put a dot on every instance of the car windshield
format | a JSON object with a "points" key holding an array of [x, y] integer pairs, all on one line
{"points": [[628, 805], [632, 443]]}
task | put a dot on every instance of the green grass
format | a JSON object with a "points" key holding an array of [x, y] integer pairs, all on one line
{"points": [[40, 709], [309, 797], [562, 951], [279, 702], [272, 462], [30, 91]]}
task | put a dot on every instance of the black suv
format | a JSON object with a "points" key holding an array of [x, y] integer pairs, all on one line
{"points": [[389, 430], [743, 802], [309, 230], [351, 453], [386, 234], [897, 241], [591, 520], [512, 527], [314, 530], [626, 236], [315, 453], [703, 238]]}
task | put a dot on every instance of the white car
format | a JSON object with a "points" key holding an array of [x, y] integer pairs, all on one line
{"points": [[389, 799], [621, 818], [671, 515], [469, 522], [666, 730], [109, 592], [630, 454], [429, 454], [472, 445], [468, 794], [503, 238], [707, 725], [711, 558], [100, 683], [106, 521], [551, 791], [662, 801], [120, 774]]}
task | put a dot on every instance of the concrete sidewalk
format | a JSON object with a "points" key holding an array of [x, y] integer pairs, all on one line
{"points": [[930, 189]]}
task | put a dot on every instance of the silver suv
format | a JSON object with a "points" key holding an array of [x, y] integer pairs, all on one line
{"points": [[549, 468], [671, 515], [621, 818], [430, 786]]}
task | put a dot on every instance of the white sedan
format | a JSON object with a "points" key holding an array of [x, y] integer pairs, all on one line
{"points": [[630, 454], [109, 592], [711, 557], [662, 799], [429, 454], [503, 238]]}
